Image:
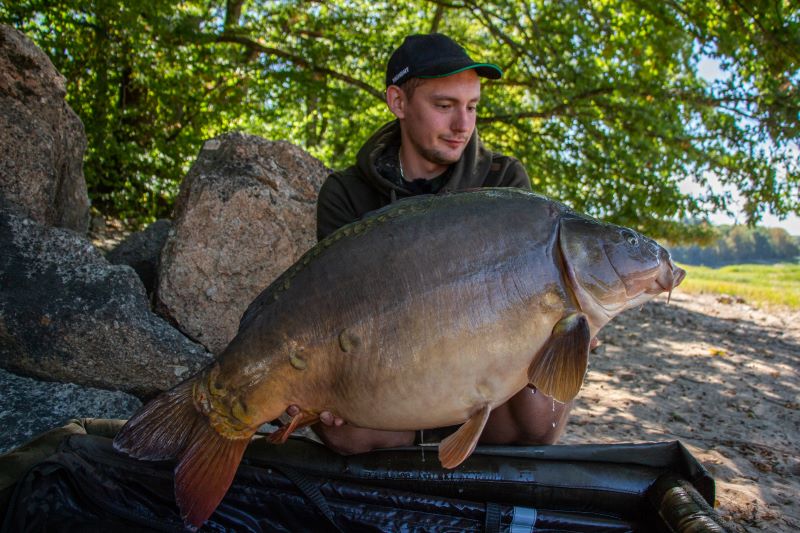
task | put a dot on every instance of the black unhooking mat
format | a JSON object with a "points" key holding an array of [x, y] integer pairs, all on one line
{"points": [[302, 486]]}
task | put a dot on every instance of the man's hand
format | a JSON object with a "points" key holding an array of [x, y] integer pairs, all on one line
{"points": [[326, 417], [347, 439]]}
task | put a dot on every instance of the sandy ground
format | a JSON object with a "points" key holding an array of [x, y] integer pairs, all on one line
{"points": [[720, 376]]}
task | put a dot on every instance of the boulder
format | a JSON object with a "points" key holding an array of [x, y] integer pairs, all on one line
{"points": [[31, 406], [245, 213], [42, 140], [67, 315], [141, 251]]}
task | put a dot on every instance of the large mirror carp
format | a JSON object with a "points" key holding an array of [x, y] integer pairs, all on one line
{"points": [[427, 313]]}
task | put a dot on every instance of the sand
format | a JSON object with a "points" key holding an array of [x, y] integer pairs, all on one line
{"points": [[721, 376]]}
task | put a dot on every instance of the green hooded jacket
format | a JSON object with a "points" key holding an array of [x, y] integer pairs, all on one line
{"points": [[349, 194]]}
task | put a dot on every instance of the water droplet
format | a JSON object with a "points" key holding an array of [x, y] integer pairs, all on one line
{"points": [[554, 406], [554, 424]]}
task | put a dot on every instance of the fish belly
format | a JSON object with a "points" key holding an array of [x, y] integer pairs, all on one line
{"points": [[441, 385], [416, 317]]}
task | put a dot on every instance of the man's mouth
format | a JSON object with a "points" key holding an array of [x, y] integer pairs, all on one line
{"points": [[454, 143]]}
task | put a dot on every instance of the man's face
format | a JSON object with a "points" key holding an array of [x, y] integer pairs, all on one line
{"points": [[440, 117]]}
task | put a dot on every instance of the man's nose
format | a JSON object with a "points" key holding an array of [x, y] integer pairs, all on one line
{"points": [[461, 120]]}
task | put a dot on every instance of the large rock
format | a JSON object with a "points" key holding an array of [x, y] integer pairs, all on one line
{"points": [[246, 212], [42, 140], [67, 315], [141, 251], [31, 406]]}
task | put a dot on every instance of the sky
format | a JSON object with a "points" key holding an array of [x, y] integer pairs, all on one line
{"points": [[791, 224], [709, 69]]}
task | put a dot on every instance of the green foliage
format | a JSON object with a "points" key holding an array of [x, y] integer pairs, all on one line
{"points": [[742, 244], [762, 285], [601, 99]]}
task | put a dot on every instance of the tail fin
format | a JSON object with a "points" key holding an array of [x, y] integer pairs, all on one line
{"points": [[171, 427], [205, 472], [160, 429]]}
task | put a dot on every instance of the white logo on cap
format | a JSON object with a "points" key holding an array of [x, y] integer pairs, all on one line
{"points": [[400, 75]]}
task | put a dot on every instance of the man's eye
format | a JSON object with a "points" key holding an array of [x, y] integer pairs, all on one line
{"points": [[472, 108], [443, 106]]}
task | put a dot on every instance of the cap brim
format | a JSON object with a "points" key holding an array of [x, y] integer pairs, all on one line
{"points": [[484, 70]]}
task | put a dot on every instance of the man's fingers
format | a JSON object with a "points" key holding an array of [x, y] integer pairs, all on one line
{"points": [[327, 418]]}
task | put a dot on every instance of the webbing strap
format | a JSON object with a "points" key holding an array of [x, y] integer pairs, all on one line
{"points": [[310, 491], [523, 520], [493, 514]]}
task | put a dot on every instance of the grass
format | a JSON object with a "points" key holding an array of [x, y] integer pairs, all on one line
{"points": [[766, 286]]}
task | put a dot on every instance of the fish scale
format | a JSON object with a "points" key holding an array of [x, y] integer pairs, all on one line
{"points": [[429, 312]]}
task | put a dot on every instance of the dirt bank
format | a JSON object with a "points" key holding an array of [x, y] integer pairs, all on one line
{"points": [[718, 375]]}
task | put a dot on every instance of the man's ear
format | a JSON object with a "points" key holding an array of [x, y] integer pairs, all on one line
{"points": [[396, 100]]}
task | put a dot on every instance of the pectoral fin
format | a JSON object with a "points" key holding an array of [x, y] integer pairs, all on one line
{"points": [[458, 446], [559, 367], [300, 420]]}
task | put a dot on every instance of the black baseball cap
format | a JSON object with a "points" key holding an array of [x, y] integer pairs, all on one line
{"points": [[433, 55]]}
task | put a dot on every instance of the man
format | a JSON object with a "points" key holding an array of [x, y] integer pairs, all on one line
{"points": [[433, 89]]}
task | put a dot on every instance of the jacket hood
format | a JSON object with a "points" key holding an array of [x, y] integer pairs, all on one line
{"points": [[468, 172]]}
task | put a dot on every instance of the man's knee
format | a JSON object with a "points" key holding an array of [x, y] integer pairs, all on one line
{"points": [[538, 435], [349, 440], [542, 426], [528, 418]]}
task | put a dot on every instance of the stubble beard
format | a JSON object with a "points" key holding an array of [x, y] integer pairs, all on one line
{"points": [[435, 155], [439, 157]]}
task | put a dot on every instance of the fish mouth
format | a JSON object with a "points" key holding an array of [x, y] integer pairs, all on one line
{"points": [[669, 278], [678, 274]]}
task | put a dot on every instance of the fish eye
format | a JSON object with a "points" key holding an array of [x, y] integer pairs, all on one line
{"points": [[630, 237]]}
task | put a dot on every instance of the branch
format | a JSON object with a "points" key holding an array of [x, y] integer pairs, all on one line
{"points": [[687, 23], [485, 17], [233, 12], [299, 61], [523, 115], [309, 33], [791, 51], [553, 111], [442, 3], [185, 119], [437, 18], [478, 11]]}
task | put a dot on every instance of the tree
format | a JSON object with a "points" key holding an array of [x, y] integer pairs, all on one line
{"points": [[742, 244], [601, 99]]}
